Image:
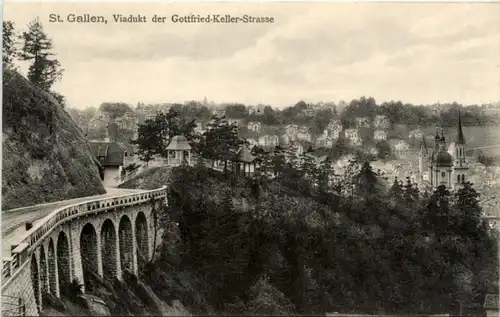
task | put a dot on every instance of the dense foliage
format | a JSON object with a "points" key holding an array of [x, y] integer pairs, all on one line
{"points": [[155, 135], [45, 157], [9, 47], [301, 243], [36, 48]]}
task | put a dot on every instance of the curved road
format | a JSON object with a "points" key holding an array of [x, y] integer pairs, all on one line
{"points": [[13, 221]]}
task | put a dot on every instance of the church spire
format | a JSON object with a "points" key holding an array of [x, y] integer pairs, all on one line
{"points": [[460, 135]]}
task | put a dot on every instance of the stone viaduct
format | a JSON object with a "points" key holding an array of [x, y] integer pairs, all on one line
{"points": [[106, 236]]}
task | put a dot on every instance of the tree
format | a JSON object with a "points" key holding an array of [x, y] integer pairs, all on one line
{"points": [[44, 69], [172, 124], [155, 134], [270, 116], [340, 148], [115, 109], [9, 49], [237, 111], [220, 141], [383, 149], [148, 140], [396, 190]]}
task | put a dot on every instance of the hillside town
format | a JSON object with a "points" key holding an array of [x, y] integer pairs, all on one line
{"points": [[331, 159], [413, 153]]}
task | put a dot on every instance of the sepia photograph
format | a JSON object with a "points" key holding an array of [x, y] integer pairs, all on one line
{"points": [[250, 159]]}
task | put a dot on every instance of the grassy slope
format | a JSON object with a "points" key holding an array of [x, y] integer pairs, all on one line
{"points": [[39, 166], [153, 178]]}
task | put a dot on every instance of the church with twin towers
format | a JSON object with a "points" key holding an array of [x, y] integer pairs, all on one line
{"points": [[445, 165]]}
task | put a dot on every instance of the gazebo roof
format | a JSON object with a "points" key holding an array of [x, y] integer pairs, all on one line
{"points": [[179, 142], [244, 155]]}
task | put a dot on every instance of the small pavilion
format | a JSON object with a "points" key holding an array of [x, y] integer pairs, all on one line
{"points": [[178, 151], [245, 163]]}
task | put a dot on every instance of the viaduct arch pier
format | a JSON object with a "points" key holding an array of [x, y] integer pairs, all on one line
{"points": [[107, 236]]}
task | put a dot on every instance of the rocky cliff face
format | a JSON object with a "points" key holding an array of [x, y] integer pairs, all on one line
{"points": [[45, 156]]}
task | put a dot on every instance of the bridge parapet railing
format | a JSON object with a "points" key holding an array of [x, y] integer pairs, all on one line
{"points": [[21, 250]]}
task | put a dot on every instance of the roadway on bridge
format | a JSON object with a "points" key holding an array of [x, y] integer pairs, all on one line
{"points": [[13, 221]]}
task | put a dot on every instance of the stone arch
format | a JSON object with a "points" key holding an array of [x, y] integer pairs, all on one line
{"points": [[44, 279], [108, 249], [88, 252], [63, 260], [51, 254], [141, 236], [126, 244], [35, 280]]}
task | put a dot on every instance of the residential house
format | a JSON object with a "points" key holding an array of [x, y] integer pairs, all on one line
{"points": [[219, 112], [381, 122], [252, 142], [415, 134], [268, 140], [150, 116], [400, 148], [363, 122], [254, 126], [129, 120], [324, 141], [353, 137], [303, 134], [309, 112], [236, 122], [379, 135], [334, 128], [291, 131], [119, 122], [110, 155]]}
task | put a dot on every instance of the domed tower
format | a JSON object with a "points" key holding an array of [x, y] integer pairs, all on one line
{"points": [[461, 169], [442, 164]]}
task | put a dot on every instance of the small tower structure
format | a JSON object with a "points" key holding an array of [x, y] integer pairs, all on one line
{"points": [[245, 163], [178, 151], [442, 163]]}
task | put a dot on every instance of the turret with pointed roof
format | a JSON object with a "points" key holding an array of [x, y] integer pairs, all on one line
{"points": [[460, 135], [244, 163], [461, 168], [446, 168]]}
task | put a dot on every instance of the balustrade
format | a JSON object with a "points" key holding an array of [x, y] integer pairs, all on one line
{"points": [[36, 235]]}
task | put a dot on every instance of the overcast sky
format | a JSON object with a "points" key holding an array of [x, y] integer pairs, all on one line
{"points": [[418, 53]]}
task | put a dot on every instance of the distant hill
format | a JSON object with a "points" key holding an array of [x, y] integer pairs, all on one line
{"points": [[45, 155]]}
